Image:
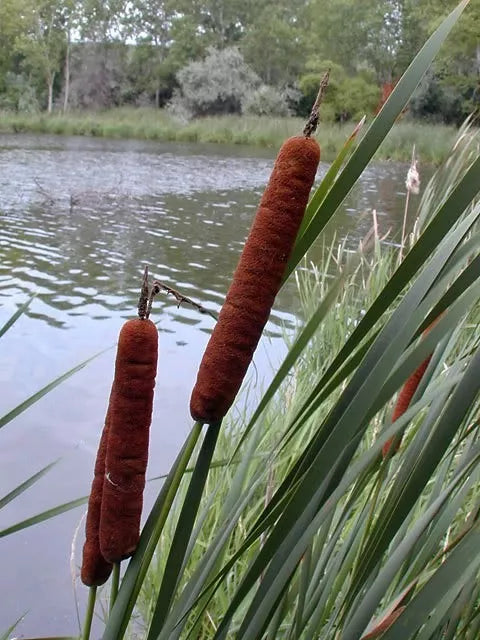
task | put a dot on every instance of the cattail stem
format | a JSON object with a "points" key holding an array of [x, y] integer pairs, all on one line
{"points": [[407, 200], [131, 583], [115, 584], [186, 520], [87, 625]]}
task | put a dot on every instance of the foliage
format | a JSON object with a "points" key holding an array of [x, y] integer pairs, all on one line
{"points": [[450, 103], [218, 84], [139, 46], [433, 142], [265, 101], [274, 44], [348, 98], [19, 94]]}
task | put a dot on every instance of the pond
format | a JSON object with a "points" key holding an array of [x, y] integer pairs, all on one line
{"points": [[78, 220]]}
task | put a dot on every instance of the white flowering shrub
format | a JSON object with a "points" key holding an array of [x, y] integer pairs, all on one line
{"points": [[218, 84]]}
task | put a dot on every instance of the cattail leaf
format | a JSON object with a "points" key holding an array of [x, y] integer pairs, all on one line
{"points": [[329, 178], [137, 568], [375, 135], [294, 535], [183, 531], [403, 496], [237, 499], [454, 207], [18, 313], [204, 572], [45, 515], [26, 404], [458, 568], [8, 632], [365, 609], [450, 606], [25, 485]]}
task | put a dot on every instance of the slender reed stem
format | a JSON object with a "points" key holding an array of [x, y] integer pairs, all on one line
{"points": [[115, 583], [407, 200], [178, 548], [87, 625], [138, 566]]}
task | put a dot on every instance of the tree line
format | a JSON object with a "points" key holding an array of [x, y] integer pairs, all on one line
{"points": [[200, 57]]}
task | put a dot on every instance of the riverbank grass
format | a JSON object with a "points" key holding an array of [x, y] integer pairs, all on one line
{"points": [[432, 142]]}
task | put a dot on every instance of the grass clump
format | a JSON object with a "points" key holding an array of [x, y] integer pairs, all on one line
{"points": [[432, 141]]}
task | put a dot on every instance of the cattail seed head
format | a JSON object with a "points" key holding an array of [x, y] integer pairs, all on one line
{"points": [[256, 280]]}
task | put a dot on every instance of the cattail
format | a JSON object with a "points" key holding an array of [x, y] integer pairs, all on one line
{"points": [[407, 393], [256, 280], [95, 569], [130, 413]]}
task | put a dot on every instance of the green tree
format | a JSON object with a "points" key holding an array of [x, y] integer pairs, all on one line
{"points": [[43, 41], [13, 15], [275, 45]]}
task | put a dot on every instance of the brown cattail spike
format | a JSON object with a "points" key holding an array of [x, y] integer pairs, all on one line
{"points": [[130, 414], [256, 280], [95, 569]]}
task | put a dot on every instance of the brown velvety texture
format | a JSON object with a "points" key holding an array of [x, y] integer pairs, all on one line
{"points": [[95, 569], [256, 280], [130, 413]]}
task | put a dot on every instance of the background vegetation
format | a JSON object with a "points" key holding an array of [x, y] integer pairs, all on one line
{"points": [[204, 57]]}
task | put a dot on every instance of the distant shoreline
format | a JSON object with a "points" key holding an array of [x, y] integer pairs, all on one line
{"points": [[432, 142]]}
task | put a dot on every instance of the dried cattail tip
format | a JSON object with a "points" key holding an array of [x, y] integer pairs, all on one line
{"points": [[413, 179], [256, 280], [95, 569], [130, 413]]}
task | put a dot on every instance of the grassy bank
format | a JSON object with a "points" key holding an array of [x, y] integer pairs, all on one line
{"points": [[432, 141]]}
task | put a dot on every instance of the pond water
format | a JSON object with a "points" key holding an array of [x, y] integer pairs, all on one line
{"points": [[78, 220]]}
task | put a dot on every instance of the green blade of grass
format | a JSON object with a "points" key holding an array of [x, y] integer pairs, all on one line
{"points": [[6, 634], [25, 485], [457, 569], [41, 517], [26, 404], [18, 313], [183, 532]]}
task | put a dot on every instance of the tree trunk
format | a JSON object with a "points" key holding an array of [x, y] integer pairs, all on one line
{"points": [[67, 75], [50, 81], [157, 98]]}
